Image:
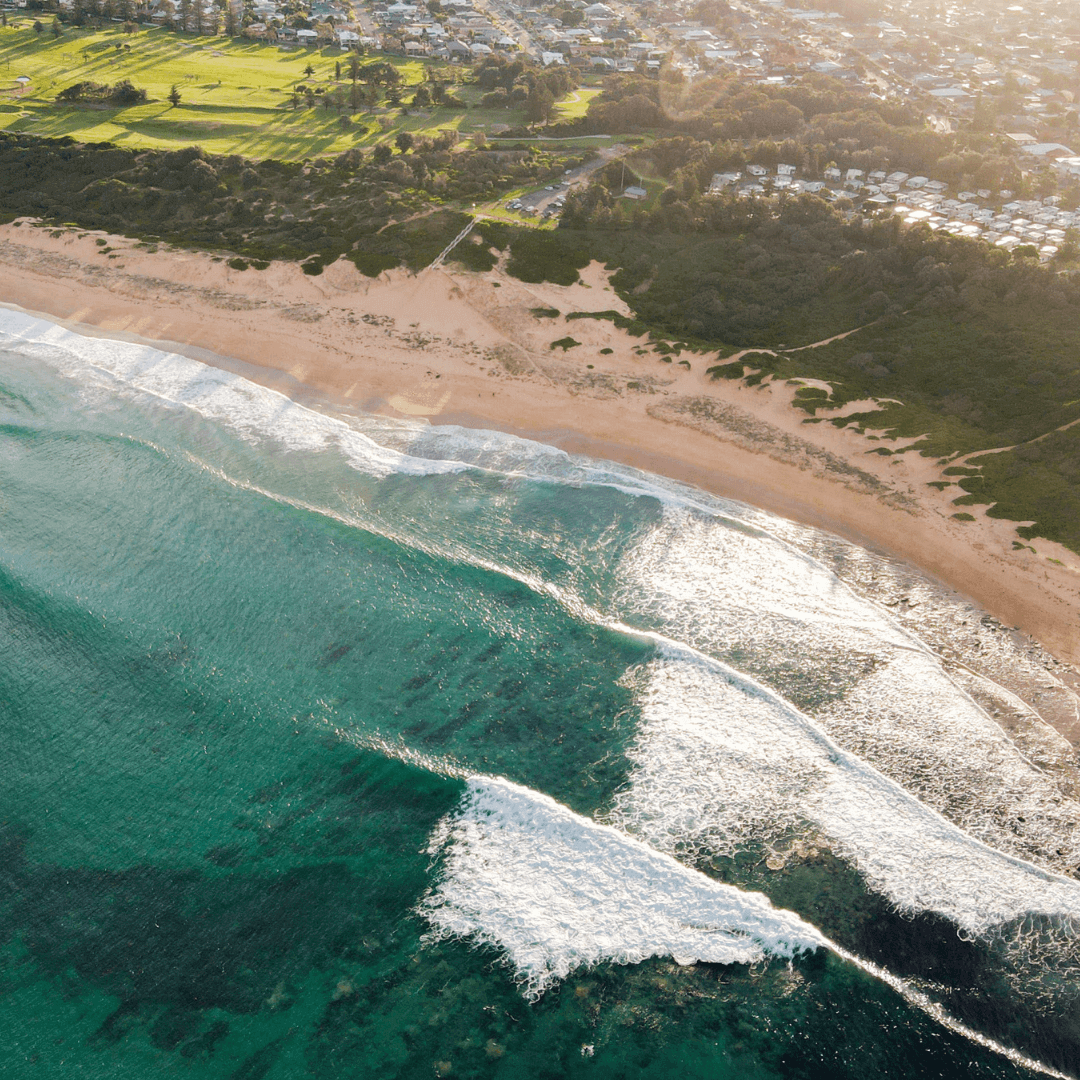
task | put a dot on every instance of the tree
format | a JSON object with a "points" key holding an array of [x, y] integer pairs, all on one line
{"points": [[309, 71], [404, 141], [380, 74], [383, 153], [337, 70], [56, 28], [539, 104], [422, 96], [38, 28], [174, 96]]}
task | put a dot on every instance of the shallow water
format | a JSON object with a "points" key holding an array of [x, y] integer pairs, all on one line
{"points": [[347, 746]]}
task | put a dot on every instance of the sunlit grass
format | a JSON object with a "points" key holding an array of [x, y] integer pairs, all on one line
{"points": [[575, 104], [235, 94]]}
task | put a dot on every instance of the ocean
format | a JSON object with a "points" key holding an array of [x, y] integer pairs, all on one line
{"points": [[342, 746]]}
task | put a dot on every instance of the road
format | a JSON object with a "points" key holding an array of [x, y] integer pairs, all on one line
{"points": [[542, 198]]}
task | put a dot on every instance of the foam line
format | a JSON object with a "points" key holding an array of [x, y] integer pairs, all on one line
{"points": [[875, 688], [245, 406], [721, 761], [555, 891], [684, 588]]}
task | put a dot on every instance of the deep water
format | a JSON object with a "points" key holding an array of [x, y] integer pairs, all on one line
{"points": [[347, 747]]}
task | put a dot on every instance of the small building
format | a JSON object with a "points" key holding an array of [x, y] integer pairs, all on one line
{"points": [[636, 193]]}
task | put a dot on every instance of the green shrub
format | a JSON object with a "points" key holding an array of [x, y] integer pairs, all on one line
{"points": [[373, 263]]}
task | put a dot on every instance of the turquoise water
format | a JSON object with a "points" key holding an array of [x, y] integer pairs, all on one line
{"points": [[349, 747]]}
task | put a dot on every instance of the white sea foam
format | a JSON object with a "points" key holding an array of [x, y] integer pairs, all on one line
{"points": [[714, 576], [720, 760], [244, 406], [872, 685], [555, 891]]}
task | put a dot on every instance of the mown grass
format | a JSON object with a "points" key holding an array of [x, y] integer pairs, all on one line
{"points": [[235, 94], [576, 104]]}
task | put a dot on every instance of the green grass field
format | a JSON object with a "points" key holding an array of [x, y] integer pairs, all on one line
{"points": [[576, 104], [234, 94]]}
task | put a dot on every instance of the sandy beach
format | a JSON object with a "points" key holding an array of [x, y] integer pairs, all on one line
{"points": [[465, 348]]}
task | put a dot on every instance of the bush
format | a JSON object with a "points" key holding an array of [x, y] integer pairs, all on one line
{"points": [[546, 256], [123, 93], [373, 263]]}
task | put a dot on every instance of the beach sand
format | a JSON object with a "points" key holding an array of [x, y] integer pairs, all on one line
{"points": [[466, 348]]}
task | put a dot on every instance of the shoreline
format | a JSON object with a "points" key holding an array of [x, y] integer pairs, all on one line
{"points": [[464, 348]]}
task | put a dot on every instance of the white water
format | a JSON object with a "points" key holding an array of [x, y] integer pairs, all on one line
{"points": [[244, 406], [720, 761], [555, 891], [874, 687], [716, 763]]}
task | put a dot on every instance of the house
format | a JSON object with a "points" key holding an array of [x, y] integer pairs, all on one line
{"points": [[757, 170], [722, 180], [916, 181], [1047, 150], [832, 173], [785, 170], [636, 193]]}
